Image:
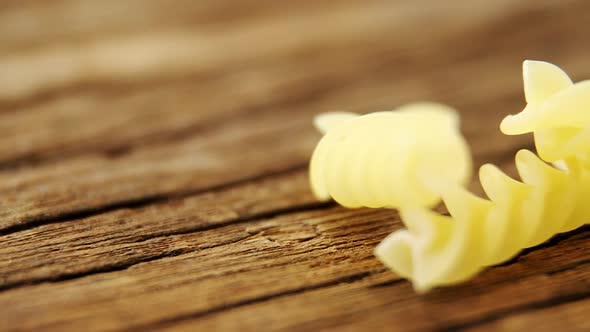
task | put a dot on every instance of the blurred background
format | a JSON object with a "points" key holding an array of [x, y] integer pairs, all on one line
{"points": [[108, 75]]}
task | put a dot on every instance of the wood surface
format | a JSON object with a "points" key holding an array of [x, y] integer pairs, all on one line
{"points": [[153, 162]]}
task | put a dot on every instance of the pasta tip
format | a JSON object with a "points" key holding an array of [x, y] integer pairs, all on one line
{"points": [[326, 121]]}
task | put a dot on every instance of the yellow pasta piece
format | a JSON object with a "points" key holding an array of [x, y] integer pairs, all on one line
{"points": [[439, 250], [557, 112], [371, 160]]}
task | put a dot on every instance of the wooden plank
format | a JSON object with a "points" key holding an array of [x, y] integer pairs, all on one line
{"points": [[142, 176], [243, 266], [289, 244], [77, 247], [31, 24], [55, 252], [159, 112], [367, 306], [110, 129], [184, 51], [116, 180], [45, 129], [181, 201], [572, 316], [203, 161]]}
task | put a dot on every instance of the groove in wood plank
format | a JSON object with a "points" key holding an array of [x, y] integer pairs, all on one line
{"points": [[145, 201], [280, 247], [188, 167], [276, 195], [362, 307], [64, 252], [571, 315], [252, 199], [270, 297], [554, 301], [551, 242], [189, 278]]}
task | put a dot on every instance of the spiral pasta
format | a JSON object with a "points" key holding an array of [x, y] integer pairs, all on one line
{"points": [[439, 250], [371, 160]]}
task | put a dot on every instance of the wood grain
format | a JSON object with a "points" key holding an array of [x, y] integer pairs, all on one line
{"points": [[62, 242], [572, 314], [304, 251], [153, 161]]}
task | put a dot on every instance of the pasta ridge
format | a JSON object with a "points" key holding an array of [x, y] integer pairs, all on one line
{"points": [[438, 250], [371, 160]]}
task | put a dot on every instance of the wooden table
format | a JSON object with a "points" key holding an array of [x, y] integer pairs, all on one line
{"points": [[153, 162]]}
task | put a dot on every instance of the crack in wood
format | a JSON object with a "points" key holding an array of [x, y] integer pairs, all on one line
{"points": [[500, 314], [459, 326], [141, 202], [127, 264], [170, 321], [549, 243]]}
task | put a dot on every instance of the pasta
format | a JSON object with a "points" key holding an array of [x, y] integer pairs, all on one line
{"points": [[438, 250], [371, 160]]}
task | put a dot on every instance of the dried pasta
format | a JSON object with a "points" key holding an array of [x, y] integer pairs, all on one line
{"points": [[371, 160], [438, 250]]}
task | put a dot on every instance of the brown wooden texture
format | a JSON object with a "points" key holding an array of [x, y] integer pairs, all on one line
{"points": [[153, 162]]}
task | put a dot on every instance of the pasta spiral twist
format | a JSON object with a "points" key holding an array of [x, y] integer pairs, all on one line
{"points": [[439, 250], [372, 160]]}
